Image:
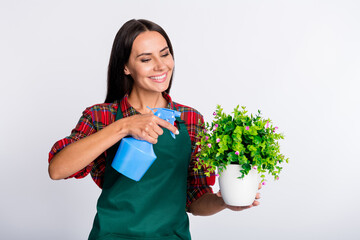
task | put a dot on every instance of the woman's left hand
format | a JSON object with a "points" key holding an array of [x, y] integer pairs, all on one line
{"points": [[236, 208]]}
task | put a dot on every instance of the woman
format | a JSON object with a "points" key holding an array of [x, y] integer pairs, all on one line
{"points": [[139, 76]]}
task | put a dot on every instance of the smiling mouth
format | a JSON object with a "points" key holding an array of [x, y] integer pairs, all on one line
{"points": [[160, 78]]}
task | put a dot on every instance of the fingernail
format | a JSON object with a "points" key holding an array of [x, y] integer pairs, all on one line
{"points": [[177, 132]]}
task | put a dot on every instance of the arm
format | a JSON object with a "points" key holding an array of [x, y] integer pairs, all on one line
{"points": [[209, 204], [81, 153]]}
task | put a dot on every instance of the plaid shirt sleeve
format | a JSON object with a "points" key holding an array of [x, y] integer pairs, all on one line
{"points": [[93, 119], [197, 183]]}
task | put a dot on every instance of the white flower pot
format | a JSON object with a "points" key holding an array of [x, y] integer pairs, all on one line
{"points": [[235, 191]]}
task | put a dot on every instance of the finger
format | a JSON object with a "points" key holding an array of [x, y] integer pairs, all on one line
{"points": [[218, 194], [257, 196], [151, 140], [260, 185], [166, 124], [235, 208], [157, 130], [256, 203], [150, 131], [153, 135], [145, 136]]}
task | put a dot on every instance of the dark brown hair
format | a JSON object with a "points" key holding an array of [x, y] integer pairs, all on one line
{"points": [[119, 84]]}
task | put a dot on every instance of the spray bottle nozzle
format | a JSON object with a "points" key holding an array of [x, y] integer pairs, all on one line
{"points": [[167, 115]]}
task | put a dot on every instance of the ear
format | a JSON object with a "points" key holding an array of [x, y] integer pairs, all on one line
{"points": [[126, 70]]}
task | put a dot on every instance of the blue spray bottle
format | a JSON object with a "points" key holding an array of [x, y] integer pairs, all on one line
{"points": [[134, 157]]}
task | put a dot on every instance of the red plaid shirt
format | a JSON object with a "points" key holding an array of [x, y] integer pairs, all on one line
{"points": [[99, 116]]}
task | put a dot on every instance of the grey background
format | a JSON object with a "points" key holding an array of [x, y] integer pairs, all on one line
{"points": [[297, 61]]}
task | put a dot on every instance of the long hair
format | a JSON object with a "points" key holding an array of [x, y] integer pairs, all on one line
{"points": [[119, 84]]}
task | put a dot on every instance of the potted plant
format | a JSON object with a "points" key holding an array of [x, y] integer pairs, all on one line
{"points": [[243, 148]]}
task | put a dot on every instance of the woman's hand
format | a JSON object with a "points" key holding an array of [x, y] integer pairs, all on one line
{"points": [[236, 208], [146, 127]]}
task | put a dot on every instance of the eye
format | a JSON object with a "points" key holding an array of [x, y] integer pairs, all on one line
{"points": [[145, 60], [166, 54]]}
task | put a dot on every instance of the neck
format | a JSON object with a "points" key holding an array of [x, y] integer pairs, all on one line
{"points": [[140, 101]]}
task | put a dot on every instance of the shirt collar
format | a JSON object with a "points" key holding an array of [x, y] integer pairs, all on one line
{"points": [[128, 110]]}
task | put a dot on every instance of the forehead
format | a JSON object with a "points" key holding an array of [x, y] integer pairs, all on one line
{"points": [[148, 41]]}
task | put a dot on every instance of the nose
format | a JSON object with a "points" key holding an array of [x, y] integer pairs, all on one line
{"points": [[159, 65]]}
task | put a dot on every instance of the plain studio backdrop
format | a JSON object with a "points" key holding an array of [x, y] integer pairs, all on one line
{"points": [[297, 61]]}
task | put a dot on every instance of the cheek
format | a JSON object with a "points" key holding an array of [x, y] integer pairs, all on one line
{"points": [[142, 71], [170, 63]]}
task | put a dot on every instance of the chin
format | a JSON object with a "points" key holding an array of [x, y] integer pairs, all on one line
{"points": [[164, 87]]}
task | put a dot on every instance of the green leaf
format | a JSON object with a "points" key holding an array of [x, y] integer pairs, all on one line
{"points": [[257, 146], [232, 157]]}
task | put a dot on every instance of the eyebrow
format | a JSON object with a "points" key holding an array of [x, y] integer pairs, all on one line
{"points": [[142, 54]]}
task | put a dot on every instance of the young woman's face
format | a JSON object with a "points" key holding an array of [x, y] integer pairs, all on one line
{"points": [[150, 63]]}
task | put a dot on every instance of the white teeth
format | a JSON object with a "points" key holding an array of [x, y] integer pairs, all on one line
{"points": [[160, 77]]}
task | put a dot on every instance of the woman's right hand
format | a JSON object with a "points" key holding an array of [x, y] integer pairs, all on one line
{"points": [[146, 127]]}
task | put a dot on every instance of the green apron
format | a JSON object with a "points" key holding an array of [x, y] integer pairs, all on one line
{"points": [[154, 207]]}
